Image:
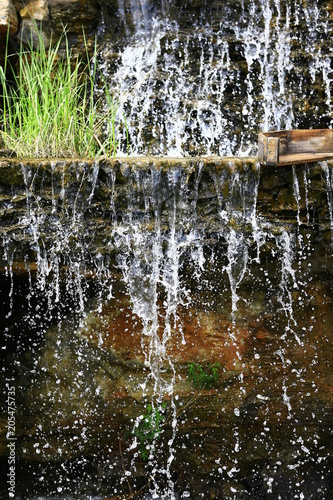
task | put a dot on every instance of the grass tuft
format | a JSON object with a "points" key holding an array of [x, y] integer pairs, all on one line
{"points": [[49, 109], [203, 377]]}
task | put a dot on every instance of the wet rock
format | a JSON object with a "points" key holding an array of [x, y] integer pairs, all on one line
{"points": [[8, 19], [80, 18], [36, 9], [208, 182], [88, 369]]}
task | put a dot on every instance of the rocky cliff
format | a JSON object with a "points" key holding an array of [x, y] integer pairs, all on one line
{"points": [[119, 275]]}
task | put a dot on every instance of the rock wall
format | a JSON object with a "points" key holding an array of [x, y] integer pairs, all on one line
{"points": [[203, 78], [50, 17], [66, 186], [244, 275]]}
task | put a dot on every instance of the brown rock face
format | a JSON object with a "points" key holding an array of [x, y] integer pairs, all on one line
{"points": [[35, 22], [8, 18], [39, 18], [160, 309], [8, 24], [36, 9]]}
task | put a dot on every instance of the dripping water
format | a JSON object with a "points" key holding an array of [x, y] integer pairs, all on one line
{"points": [[209, 89], [328, 177], [160, 232]]}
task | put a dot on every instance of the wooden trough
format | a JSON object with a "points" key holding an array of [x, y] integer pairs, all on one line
{"points": [[289, 147]]}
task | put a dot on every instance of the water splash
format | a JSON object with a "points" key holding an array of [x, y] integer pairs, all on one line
{"points": [[306, 189], [237, 210], [52, 230], [288, 282], [150, 261], [8, 256]]}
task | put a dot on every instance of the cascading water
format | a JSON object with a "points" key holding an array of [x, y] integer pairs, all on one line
{"points": [[329, 184], [205, 78], [149, 271], [167, 323], [175, 265]]}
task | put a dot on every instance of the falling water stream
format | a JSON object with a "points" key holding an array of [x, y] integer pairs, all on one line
{"points": [[120, 276], [205, 77], [117, 284]]}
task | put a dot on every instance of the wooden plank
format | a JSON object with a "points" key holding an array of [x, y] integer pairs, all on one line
{"points": [[284, 141], [268, 149], [262, 147], [311, 141], [294, 159], [285, 147], [273, 144]]}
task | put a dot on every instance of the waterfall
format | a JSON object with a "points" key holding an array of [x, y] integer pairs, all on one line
{"points": [[134, 270], [329, 192], [167, 314], [205, 79]]}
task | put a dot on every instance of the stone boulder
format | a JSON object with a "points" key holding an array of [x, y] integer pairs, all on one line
{"points": [[50, 18], [8, 22], [35, 23], [8, 18]]}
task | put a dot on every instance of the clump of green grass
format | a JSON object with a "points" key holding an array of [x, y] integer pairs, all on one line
{"points": [[203, 377], [148, 430], [49, 108]]}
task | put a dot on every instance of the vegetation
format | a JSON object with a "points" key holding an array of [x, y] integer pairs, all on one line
{"points": [[149, 430], [203, 377], [49, 108]]}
